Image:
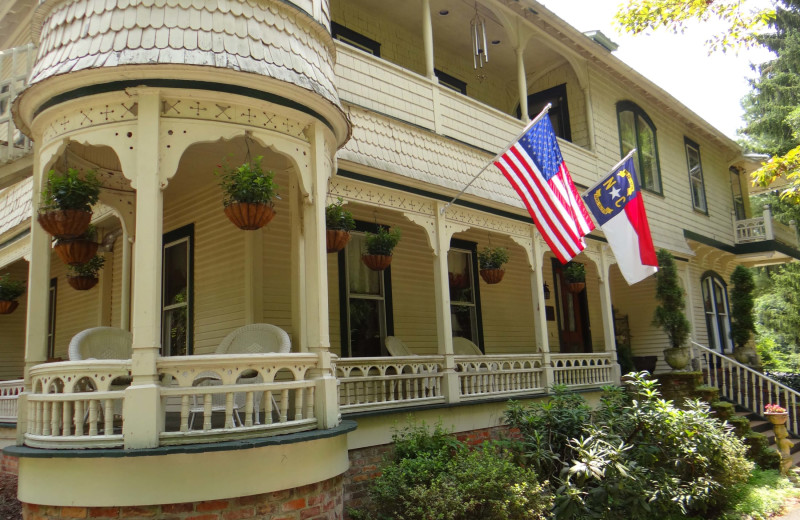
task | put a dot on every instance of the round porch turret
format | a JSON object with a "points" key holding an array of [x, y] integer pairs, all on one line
{"points": [[279, 51]]}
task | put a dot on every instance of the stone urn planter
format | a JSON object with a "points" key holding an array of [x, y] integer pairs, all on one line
{"points": [[249, 216], [678, 357], [777, 418], [492, 276]]}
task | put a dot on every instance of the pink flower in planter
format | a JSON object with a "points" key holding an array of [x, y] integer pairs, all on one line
{"points": [[774, 408]]}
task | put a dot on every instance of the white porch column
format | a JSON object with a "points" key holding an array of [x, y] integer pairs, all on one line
{"points": [[522, 83], [298, 268], [427, 38], [444, 327], [125, 292], [143, 406], [606, 309], [253, 277], [38, 296], [104, 289], [540, 313], [316, 281]]}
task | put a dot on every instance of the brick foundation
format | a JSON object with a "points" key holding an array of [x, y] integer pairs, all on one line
{"points": [[8, 465], [365, 462], [320, 501]]}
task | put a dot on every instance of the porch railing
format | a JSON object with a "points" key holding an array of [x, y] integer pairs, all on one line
{"points": [[746, 387], [15, 67], [9, 396], [481, 376], [583, 370], [763, 228]]}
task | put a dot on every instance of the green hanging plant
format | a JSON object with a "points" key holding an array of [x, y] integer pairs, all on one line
{"points": [[10, 289], [70, 191], [337, 217], [247, 183], [493, 257], [383, 242], [575, 272]]}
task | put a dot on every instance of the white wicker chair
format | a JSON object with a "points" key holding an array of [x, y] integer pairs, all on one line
{"points": [[258, 338], [464, 347], [101, 343], [396, 347]]}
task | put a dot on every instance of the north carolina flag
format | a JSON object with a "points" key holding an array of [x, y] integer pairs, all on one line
{"points": [[536, 170], [618, 208]]}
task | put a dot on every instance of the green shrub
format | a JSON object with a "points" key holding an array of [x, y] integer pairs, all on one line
{"points": [[636, 456], [492, 257], [383, 242], [669, 313], [247, 183], [761, 497], [336, 217], [431, 475], [742, 303], [70, 190], [10, 289]]}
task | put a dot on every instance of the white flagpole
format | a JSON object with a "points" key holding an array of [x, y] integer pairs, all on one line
{"points": [[527, 127], [609, 171]]}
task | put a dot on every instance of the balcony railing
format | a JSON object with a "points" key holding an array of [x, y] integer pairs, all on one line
{"points": [[15, 68], [760, 229], [9, 394]]}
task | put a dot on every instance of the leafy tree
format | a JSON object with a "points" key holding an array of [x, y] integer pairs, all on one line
{"points": [[742, 323], [743, 19], [669, 313], [777, 312]]}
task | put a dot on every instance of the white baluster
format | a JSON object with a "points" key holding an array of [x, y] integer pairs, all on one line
{"points": [[93, 417], [284, 404], [108, 415], [298, 404], [66, 419], [184, 413], [207, 411], [248, 409]]}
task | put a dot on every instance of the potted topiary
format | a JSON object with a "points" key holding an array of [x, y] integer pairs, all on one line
{"points": [[669, 313], [74, 251], [379, 248], [10, 290], [248, 194], [66, 208], [338, 224], [83, 277], [491, 261], [742, 322], [575, 274]]}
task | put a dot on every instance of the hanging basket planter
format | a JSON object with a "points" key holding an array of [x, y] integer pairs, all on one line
{"points": [[492, 276], [8, 306], [82, 283], [66, 223], [76, 251], [336, 239], [575, 287], [248, 215], [377, 262]]}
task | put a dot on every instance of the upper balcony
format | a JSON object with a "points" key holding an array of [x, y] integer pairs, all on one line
{"points": [[765, 241]]}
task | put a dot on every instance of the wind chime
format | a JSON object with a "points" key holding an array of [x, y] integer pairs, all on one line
{"points": [[480, 51]]}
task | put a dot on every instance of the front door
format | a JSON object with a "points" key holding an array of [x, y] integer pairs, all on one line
{"points": [[573, 315]]}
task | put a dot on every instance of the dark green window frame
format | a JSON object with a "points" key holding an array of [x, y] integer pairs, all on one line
{"points": [[472, 247], [177, 235], [696, 178], [653, 185], [355, 39]]}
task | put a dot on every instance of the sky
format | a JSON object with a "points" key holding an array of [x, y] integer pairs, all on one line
{"points": [[710, 85]]}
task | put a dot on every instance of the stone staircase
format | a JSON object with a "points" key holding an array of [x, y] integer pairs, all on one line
{"points": [[758, 425]]}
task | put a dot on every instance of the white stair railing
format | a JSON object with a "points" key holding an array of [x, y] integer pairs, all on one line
{"points": [[746, 387]]}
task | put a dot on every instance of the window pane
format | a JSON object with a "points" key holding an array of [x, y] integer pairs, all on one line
{"points": [[627, 131], [366, 324], [464, 322], [361, 279], [175, 338], [176, 268], [696, 177], [460, 276], [646, 150]]}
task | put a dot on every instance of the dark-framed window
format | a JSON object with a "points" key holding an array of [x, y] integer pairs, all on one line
{"points": [[696, 183], [559, 112], [636, 130], [736, 192], [177, 292], [52, 297], [451, 82], [465, 294], [355, 39], [365, 299], [717, 312]]}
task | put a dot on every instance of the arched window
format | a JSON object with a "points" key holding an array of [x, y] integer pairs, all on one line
{"points": [[636, 130], [715, 306]]}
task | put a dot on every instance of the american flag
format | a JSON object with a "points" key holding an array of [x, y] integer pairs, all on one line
{"points": [[535, 168]]}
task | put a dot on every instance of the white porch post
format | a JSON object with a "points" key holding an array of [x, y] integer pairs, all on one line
{"points": [[606, 309], [104, 289], [540, 313], [253, 277], [143, 408], [522, 83], [444, 327], [125, 292], [316, 281], [298, 269], [427, 38], [38, 296]]}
